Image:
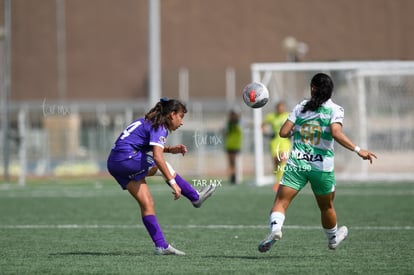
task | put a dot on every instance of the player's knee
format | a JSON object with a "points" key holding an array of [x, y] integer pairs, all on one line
{"points": [[326, 206]]}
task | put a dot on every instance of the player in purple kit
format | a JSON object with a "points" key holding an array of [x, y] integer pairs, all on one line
{"points": [[130, 162]]}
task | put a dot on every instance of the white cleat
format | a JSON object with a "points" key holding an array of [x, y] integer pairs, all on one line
{"points": [[270, 239], [168, 251], [341, 234], [204, 194]]}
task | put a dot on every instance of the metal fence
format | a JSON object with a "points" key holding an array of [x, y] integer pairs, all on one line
{"points": [[74, 139]]}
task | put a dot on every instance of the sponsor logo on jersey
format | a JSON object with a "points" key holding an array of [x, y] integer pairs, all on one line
{"points": [[162, 139], [308, 157]]}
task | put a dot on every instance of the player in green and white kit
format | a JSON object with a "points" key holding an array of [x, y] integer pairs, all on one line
{"points": [[314, 125]]}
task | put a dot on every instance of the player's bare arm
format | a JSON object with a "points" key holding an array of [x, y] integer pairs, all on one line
{"points": [[286, 130], [341, 138], [176, 149]]}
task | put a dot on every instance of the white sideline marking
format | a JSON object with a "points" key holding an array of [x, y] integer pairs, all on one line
{"points": [[190, 226]]}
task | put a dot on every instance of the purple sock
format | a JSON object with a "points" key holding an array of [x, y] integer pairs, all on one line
{"points": [[186, 189], [153, 228]]}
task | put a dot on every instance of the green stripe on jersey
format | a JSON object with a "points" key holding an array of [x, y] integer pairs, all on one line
{"points": [[313, 144]]}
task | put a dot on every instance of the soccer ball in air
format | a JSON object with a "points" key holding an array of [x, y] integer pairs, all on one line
{"points": [[255, 95]]}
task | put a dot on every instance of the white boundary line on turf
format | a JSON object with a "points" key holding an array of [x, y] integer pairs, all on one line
{"points": [[211, 226]]}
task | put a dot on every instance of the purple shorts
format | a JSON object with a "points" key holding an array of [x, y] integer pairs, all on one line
{"points": [[134, 168]]}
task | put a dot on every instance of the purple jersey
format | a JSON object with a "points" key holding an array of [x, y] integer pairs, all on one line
{"points": [[139, 136]]}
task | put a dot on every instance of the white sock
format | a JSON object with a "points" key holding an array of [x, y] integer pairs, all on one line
{"points": [[276, 221], [331, 234]]}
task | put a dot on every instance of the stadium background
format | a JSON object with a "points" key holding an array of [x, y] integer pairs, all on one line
{"points": [[77, 84]]}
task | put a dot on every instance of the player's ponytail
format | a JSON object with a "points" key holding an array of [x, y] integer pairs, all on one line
{"points": [[322, 87], [159, 114]]}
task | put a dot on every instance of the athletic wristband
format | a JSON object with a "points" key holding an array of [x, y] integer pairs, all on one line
{"points": [[357, 149], [171, 182]]}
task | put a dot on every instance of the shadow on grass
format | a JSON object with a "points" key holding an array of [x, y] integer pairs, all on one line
{"points": [[261, 257], [264, 257], [96, 253]]}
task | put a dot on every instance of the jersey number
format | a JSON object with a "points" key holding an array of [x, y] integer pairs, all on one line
{"points": [[130, 128], [310, 134]]}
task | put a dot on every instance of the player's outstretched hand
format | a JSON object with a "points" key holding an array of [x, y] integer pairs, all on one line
{"points": [[178, 149], [367, 155]]}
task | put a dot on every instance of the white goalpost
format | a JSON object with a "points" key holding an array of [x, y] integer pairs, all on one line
{"points": [[378, 98]]}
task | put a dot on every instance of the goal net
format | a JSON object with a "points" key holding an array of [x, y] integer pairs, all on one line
{"points": [[378, 98]]}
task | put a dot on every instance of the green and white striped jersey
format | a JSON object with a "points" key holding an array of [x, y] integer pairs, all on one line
{"points": [[313, 144]]}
